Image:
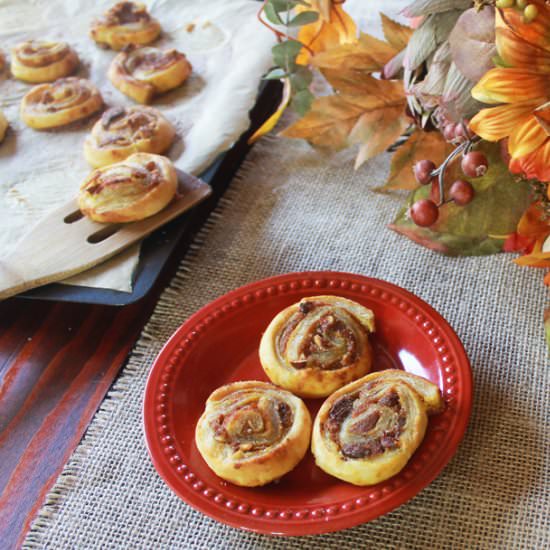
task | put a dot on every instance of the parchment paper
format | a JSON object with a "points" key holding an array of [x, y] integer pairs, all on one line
{"points": [[40, 170]]}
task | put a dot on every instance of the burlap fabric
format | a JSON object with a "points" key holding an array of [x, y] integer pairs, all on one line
{"points": [[293, 209]]}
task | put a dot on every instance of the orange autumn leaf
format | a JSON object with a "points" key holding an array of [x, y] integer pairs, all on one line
{"points": [[327, 32], [396, 34], [420, 145]]}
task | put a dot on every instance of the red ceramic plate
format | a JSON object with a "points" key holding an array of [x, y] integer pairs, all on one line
{"points": [[219, 344]]}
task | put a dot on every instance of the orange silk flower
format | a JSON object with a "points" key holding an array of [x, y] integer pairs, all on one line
{"points": [[521, 89]]}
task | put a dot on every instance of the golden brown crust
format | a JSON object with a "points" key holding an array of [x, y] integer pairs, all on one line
{"points": [[39, 61], [145, 72], [367, 431], [122, 131], [127, 191], [125, 23], [318, 345], [252, 432], [3, 126], [61, 102]]}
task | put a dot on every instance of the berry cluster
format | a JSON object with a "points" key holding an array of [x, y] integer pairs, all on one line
{"points": [[529, 11], [425, 212]]}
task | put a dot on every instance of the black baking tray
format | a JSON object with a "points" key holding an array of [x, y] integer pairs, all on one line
{"points": [[158, 248]]}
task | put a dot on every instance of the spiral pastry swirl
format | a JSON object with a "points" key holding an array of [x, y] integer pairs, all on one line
{"points": [[124, 24], [61, 102], [39, 61], [252, 433], [145, 72], [3, 126], [131, 190], [122, 131], [318, 345], [367, 431]]}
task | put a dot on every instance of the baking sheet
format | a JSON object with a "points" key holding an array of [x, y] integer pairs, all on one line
{"points": [[40, 170]]}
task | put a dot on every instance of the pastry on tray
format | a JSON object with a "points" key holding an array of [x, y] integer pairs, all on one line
{"points": [[143, 73], [127, 191], [122, 131], [125, 23], [61, 102], [318, 345], [3, 126], [39, 61], [252, 432], [367, 431]]}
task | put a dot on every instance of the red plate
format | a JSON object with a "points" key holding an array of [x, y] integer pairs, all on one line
{"points": [[219, 344]]}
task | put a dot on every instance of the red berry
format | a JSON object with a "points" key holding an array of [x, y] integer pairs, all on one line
{"points": [[462, 192], [424, 213], [461, 132], [474, 164], [422, 171], [449, 132]]}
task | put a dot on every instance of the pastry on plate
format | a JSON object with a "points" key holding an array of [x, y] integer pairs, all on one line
{"points": [[127, 191], [3, 126], [318, 345], [252, 432], [143, 73], [61, 102], [122, 131], [125, 23], [367, 431], [40, 61]]}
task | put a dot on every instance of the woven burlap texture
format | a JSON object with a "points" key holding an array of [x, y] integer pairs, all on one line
{"points": [[293, 209]]}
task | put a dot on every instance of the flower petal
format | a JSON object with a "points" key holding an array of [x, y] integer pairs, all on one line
{"points": [[536, 32], [526, 138], [533, 223], [533, 166], [516, 52], [499, 122], [512, 85], [542, 114]]}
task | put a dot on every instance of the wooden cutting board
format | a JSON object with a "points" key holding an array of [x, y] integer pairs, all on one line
{"points": [[65, 242]]}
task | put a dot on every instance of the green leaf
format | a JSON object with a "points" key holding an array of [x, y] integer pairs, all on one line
{"points": [[286, 5], [275, 74], [271, 15], [303, 18], [301, 78], [480, 227], [301, 102], [284, 54]]}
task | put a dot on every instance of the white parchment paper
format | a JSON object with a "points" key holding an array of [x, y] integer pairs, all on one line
{"points": [[40, 170]]}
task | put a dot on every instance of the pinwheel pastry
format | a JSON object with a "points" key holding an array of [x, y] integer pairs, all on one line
{"points": [[3, 126], [252, 433], [318, 345], [127, 191], [122, 131], [61, 102], [145, 72], [368, 430], [125, 23], [39, 61]]}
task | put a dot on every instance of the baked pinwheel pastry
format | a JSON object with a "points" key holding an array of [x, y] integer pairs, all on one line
{"points": [[3, 126], [368, 430], [252, 433], [145, 72], [39, 61], [318, 345], [125, 23], [61, 102], [131, 190], [122, 131]]}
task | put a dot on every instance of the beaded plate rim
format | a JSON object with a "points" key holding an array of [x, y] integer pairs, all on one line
{"points": [[302, 519]]}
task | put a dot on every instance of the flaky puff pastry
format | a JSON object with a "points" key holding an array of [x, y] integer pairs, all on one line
{"points": [[39, 61], [367, 431], [122, 131], [252, 432], [145, 72], [318, 345], [61, 102], [127, 191], [3, 126], [125, 23]]}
